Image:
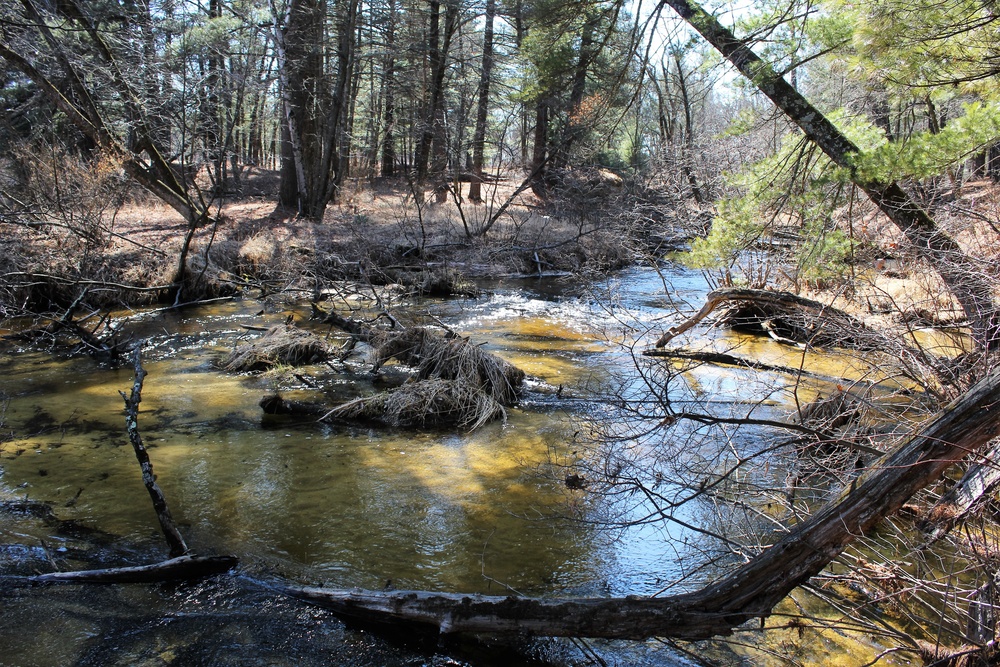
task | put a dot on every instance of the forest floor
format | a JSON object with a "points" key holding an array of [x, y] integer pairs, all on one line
{"points": [[375, 231]]}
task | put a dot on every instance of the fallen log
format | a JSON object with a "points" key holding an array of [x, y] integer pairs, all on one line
{"points": [[749, 592], [805, 320], [274, 404], [182, 567], [792, 319]]}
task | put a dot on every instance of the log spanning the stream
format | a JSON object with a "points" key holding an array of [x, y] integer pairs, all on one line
{"points": [[749, 592]]}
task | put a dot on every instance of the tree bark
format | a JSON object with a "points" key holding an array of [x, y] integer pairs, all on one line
{"points": [[750, 592], [539, 155], [389, 86], [970, 287]]}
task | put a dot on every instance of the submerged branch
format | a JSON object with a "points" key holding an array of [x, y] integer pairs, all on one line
{"points": [[181, 567]]}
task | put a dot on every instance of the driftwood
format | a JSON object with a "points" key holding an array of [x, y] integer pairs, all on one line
{"points": [[782, 315], [276, 405], [182, 567], [750, 592]]}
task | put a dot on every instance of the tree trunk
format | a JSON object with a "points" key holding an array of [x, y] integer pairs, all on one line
{"points": [[438, 130], [575, 124], [750, 592], [539, 155], [423, 149], [972, 289], [482, 110], [687, 149], [389, 85], [292, 190]]}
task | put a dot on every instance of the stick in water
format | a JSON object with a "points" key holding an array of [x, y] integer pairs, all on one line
{"points": [[174, 539]]}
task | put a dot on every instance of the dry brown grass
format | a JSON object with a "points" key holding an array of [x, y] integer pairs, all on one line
{"points": [[425, 403], [376, 227], [457, 382]]}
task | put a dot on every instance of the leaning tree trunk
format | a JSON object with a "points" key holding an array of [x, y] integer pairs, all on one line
{"points": [[751, 591], [972, 289]]}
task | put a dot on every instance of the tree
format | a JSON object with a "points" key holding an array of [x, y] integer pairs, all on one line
{"points": [[483, 105], [315, 115], [970, 286], [33, 42]]}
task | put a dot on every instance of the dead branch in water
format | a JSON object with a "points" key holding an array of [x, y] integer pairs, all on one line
{"points": [[174, 539], [182, 567]]}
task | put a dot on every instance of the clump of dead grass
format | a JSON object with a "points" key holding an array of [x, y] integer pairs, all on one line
{"points": [[424, 403], [449, 357], [457, 382], [282, 345]]}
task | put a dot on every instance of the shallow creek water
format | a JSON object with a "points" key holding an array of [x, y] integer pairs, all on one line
{"points": [[315, 504]]}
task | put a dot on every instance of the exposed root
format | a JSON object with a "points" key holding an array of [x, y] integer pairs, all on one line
{"points": [[284, 344]]}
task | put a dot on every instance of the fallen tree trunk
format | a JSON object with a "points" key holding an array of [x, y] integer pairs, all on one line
{"points": [[813, 318], [813, 323], [182, 567], [751, 591], [723, 359]]}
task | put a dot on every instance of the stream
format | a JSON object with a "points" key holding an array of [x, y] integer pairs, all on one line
{"points": [[318, 504]]}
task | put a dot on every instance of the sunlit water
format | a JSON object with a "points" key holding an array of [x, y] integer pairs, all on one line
{"points": [[326, 505]]}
